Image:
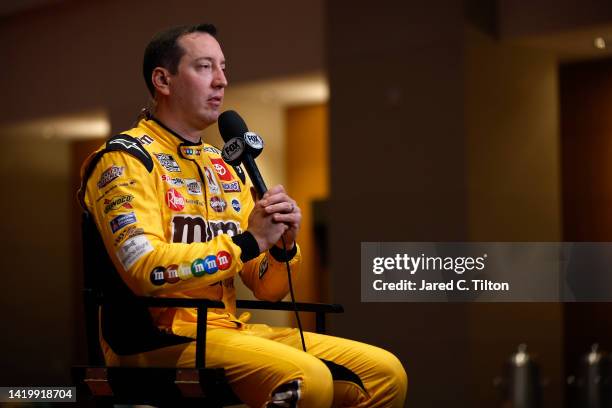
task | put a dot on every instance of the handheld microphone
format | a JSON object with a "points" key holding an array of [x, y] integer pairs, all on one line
{"points": [[241, 146]]}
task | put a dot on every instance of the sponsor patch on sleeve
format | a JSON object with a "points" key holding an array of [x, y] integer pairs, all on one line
{"points": [[109, 175], [114, 186], [133, 249], [263, 267], [197, 268], [224, 260], [157, 276], [121, 221], [171, 274], [129, 232], [118, 202], [210, 264], [184, 271]]}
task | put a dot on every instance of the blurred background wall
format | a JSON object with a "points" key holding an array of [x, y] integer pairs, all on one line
{"points": [[390, 121]]}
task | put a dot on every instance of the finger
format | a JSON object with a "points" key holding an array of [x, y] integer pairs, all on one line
{"points": [[291, 219], [276, 198], [285, 207], [274, 190]]}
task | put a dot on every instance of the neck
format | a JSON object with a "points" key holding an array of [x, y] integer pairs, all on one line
{"points": [[178, 125]]}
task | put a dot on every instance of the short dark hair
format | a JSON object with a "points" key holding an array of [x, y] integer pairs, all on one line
{"points": [[164, 51]]}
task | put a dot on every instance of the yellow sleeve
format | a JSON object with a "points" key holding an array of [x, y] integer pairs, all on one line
{"points": [[122, 198], [267, 277]]}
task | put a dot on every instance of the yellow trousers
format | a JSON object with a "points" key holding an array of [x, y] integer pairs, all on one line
{"points": [[266, 367]]}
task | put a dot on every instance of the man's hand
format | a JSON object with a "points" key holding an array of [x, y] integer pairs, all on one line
{"points": [[283, 209], [274, 215]]}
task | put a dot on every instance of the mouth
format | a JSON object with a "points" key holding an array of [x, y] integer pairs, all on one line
{"points": [[215, 100]]}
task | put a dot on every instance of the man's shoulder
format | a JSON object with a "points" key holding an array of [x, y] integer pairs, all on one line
{"points": [[131, 145], [135, 142], [141, 134], [128, 142]]}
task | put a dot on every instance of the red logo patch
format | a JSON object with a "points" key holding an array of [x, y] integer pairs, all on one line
{"points": [[221, 169], [175, 200], [224, 260]]}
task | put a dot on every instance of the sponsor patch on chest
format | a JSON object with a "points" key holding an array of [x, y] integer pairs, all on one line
{"points": [[222, 170], [194, 187], [175, 200], [167, 162], [194, 228]]}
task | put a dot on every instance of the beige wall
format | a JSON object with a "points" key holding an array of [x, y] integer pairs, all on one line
{"points": [[512, 128], [414, 157], [513, 194], [37, 302], [398, 173]]}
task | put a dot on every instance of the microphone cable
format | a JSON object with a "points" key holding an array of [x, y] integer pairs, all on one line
{"points": [[297, 315]]}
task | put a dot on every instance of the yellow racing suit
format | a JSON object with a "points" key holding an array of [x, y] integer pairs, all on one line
{"points": [[172, 216]]}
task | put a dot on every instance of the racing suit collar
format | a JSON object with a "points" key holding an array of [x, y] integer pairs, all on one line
{"points": [[184, 142]]}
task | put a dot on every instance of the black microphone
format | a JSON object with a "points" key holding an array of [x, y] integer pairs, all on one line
{"points": [[241, 146]]}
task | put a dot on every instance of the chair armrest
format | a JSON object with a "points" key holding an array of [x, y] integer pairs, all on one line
{"points": [[160, 301], [301, 306], [180, 302]]}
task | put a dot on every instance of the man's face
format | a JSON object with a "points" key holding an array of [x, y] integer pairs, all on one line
{"points": [[198, 87]]}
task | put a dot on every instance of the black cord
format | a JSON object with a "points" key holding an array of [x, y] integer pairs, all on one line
{"points": [[297, 315]]}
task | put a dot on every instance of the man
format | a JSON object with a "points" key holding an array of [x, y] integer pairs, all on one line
{"points": [[178, 221]]}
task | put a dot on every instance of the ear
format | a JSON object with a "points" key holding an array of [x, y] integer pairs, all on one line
{"points": [[161, 80]]}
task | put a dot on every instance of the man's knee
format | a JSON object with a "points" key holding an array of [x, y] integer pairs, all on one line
{"points": [[312, 386], [392, 369]]}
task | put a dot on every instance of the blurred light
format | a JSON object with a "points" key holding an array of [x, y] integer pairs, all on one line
{"points": [[88, 125], [599, 43], [299, 90]]}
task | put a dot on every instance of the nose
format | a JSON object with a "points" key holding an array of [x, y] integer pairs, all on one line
{"points": [[219, 80]]}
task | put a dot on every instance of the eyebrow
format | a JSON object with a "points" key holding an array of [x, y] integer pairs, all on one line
{"points": [[210, 59]]}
